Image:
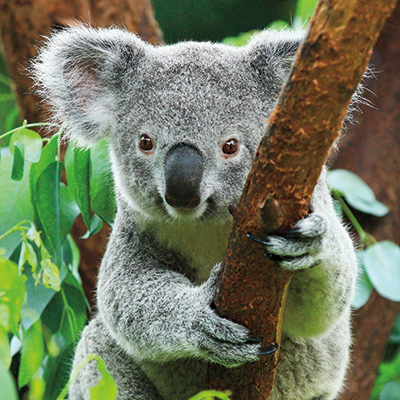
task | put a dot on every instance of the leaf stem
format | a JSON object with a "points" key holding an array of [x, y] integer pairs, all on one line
{"points": [[75, 373], [27, 126], [16, 228], [365, 238]]}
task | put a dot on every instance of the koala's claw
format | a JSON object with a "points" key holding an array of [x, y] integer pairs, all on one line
{"points": [[254, 339], [299, 248], [268, 350]]}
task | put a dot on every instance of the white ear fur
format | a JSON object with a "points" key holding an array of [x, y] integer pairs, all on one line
{"points": [[79, 72]]}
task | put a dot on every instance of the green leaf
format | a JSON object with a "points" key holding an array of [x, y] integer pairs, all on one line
{"points": [[305, 9], [32, 353], [28, 255], [31, 141], [211, 395], [48, 194], [102, 183], [391, 391], [48, 156], [18, 162], [14, 204], [82, 182], [357, 193], [12, 290], [237, 41], [69, 211], [5, 351], [106, 388], [51, 275], [278, 25], [368, 207], [69, 167], [95, 227], [363, 286], [8, 390], [382, 263]]}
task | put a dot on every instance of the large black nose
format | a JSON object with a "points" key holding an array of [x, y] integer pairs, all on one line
{"points": [[183, 174]]}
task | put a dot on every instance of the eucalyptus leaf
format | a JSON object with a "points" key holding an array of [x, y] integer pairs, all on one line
{"points": [[363, 287], [8, 390], [48, 196], [382, 264], [106, 388], [12, 289], [357, 193], [82, 171], [48, 156], [391, 391], [31, 141], [5, 351], [17, 171], [102, 183], [14, 204], [95, 227], [69, 211], [374, 207], [32, 353]]}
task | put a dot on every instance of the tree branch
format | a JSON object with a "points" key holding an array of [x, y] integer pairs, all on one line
{"points": [[303, 127]]}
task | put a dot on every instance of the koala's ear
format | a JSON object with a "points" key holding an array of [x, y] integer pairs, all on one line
{"points": [[270, 55], [80, 73]]}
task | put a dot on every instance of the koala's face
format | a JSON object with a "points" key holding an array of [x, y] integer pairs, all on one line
{"points": [[183, 121]]}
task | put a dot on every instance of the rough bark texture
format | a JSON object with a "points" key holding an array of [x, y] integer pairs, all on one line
{"points": [[372, 150], [301, 130], [22, 26]]}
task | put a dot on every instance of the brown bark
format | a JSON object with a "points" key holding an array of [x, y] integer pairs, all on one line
{"points": [[372, 150], [22, 26], [304, 125]]}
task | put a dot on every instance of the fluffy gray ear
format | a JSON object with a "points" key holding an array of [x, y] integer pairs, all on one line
{"points": [[270, 55], [79, 73]]}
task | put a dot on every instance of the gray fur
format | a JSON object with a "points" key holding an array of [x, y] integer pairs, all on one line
{"points": [[156, 328]]}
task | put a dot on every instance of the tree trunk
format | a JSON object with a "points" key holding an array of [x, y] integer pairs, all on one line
{"points": [[286, 168], [372, 150], [22, 26]]}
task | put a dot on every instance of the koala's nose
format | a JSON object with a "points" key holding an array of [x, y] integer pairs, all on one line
{"points": [[183, 174]]}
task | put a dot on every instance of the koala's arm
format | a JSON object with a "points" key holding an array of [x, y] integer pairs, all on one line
{"points": [[154, 312], [319, 296]]}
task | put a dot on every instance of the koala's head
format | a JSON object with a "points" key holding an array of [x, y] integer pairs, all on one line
{"points": [[183, 121]]}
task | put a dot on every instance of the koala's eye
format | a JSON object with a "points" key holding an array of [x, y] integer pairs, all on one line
{"points": [[146, 143], [230, 147]]}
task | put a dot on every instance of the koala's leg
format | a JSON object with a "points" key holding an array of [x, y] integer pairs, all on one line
{"points": [[132, 383]]}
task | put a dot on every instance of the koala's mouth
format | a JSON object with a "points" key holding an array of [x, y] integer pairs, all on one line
{"points": [[204, 210]]}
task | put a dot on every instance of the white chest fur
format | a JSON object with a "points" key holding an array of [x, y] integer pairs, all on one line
{"points": [[202, 244]]}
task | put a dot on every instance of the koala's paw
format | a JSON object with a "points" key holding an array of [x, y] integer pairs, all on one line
{"points": [[220, 340], [227, 343], [299, 248]]}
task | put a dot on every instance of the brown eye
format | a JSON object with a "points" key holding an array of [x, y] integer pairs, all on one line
{"points": [[146, 143], [230, 147]]}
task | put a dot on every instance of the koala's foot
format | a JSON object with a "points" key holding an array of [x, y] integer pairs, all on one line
{"points": [[299, 248], [220, 340]]}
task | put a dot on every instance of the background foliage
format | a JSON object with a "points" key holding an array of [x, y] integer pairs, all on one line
{"points": [[42, 191]]}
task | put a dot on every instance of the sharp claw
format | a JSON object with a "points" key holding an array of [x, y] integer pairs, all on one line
{"points": [[268, 350], [255, 339], [257, 240]]}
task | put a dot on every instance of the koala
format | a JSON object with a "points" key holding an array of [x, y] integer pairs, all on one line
{"points": [[183, 123]]}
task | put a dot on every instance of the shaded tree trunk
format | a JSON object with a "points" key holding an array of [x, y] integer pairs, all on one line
{"points": [[372, 150], [22, 26], [286, 168]]}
